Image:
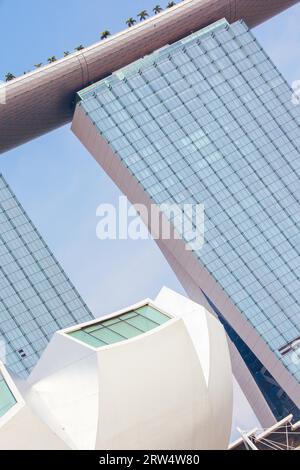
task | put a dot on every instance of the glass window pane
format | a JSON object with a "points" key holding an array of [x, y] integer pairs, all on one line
{"points": [[88, 339], [109, 322], [7, 400], [142, 323], [125, 329], [122, 327], [107, 336], [153, 314], [128, 315]]}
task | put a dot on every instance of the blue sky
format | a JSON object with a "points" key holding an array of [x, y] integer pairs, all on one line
{"points": [[58, 182]]}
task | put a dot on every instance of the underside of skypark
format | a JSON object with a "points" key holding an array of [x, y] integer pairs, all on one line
{"points": [[43, 100]]}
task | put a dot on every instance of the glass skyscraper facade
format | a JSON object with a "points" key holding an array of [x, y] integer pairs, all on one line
{"points": [[36, 296], [209, 120]]}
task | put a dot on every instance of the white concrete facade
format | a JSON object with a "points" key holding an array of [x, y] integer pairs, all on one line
{"points": [[22, 429], [168, 388]]}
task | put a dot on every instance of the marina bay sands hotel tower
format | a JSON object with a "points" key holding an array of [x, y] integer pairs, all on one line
{"points": [[187, 107]]}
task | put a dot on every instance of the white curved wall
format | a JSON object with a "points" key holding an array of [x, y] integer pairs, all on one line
{"points": [[154, 394], [169, 388]]}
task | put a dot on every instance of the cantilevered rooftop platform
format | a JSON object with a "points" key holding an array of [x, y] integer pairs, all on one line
{"points": [[43, 100]]}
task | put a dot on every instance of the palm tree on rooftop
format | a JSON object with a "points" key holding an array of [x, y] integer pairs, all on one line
{"points": [[142, 15], [52, 59], [9, 76], [79, 48], [66, 53], [105, 34], [130, 22], [157, 9], [171, 4], [37, 66]]}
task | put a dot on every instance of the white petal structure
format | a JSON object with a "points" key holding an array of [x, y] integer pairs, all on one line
{"points": [[156, 375], [20, 428]]}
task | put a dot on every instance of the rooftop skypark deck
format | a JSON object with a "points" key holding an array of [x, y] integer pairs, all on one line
{"points": [[43, 100]]}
